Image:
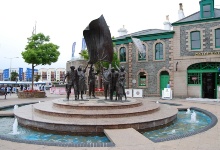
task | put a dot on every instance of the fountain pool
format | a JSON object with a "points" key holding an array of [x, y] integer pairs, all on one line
{"points": [[30, 136], [180, 128], [185, 125]]}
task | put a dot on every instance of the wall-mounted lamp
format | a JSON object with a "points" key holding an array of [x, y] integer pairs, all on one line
{"points": [[176, 66]]}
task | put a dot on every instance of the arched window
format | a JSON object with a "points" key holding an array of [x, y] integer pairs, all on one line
{"points": [[159, 51], [217, 38], [142, 55], [122, 54], [142, 79], [195, 40]]}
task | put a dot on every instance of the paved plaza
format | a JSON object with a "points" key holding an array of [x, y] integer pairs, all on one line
{"points": [[130, 139]]}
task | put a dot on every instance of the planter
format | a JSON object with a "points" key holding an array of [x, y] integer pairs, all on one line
{"points": [[32, 94]]}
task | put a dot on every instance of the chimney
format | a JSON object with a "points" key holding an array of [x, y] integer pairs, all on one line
{"points": [[167, 24], [180, 12]]}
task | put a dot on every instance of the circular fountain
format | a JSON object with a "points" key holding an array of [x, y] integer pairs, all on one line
{"points": [[92, 117]]}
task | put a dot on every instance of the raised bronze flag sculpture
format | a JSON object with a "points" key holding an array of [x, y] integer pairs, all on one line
{"points": [[98, 41], [99, 44]]}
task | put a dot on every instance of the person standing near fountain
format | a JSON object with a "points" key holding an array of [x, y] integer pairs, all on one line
{"points": [[71, 78]]}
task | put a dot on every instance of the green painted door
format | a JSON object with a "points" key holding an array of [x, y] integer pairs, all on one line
{"points": [[164, 79]]}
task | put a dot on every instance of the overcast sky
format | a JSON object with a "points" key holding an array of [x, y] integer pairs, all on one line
{"points": [[65, 20]]}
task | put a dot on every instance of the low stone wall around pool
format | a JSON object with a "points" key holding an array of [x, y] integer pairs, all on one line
{"points": [[38, 94]]}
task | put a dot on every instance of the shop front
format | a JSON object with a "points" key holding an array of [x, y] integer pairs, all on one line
{"points": [[204, 80]]}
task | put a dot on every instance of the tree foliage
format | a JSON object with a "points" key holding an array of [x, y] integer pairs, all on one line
{"points": [[14, 76], [100, 64], [40, 51], [37, 78]]}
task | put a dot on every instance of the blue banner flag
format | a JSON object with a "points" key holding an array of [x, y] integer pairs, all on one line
{"points": [[73, 49], [83, 44]]}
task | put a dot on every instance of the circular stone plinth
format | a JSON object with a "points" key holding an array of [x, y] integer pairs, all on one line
{"points": [[96, 104], [89, 117]]}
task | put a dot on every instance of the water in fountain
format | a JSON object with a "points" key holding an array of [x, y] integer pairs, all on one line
{"points": [[188, 111], [173, 131], [15, 106], [193, 117], [181, 126], [15, 127]]}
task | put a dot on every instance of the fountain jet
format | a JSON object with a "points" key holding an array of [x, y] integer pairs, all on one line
{"points": [[188, 111], [193, 117]]}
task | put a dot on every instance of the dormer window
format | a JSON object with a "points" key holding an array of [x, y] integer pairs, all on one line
{"points": [[206, 9]]}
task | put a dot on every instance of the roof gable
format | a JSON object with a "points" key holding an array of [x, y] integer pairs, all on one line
{"points": [[143, 33], [196, 17]]}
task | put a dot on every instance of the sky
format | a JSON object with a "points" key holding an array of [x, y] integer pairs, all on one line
{"points": [[65, 20]]}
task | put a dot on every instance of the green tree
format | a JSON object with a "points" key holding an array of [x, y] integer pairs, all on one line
{"points": [[14, 76], [37, 78], [100, 64], [40, 51]]}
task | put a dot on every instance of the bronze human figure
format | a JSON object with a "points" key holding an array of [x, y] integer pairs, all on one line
{"points": [[106, 76], [92, 78], [71, 82], [120, 90], [113, 82], [81, 81]]}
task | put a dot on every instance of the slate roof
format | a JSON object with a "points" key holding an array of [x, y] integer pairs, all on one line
{"points": [[196, 16], [143, 32]]}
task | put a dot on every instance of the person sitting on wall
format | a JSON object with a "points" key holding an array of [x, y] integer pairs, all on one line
{"points": [[168, 85]]}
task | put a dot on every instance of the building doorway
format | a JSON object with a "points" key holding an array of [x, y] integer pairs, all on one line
{"points": [[208, 85], [164, 79]]}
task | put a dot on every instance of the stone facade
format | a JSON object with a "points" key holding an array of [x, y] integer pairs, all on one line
{"points": [[184, 56], [151, 67], [178, 57]]}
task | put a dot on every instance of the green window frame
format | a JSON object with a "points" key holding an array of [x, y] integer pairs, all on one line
{"points": [[217, 38], [206, 11], [194, 78], [159, 51], [142, 55], [142, 79], [195, 40], [122, 54]]}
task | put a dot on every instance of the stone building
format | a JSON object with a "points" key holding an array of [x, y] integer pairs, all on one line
{"points": [[188, 57]]}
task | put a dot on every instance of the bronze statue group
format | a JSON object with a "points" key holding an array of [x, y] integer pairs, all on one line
{"points": [[100, 49], [113, 81]]}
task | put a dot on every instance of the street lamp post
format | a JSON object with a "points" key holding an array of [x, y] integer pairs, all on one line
{"points": [[10, 65]]}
